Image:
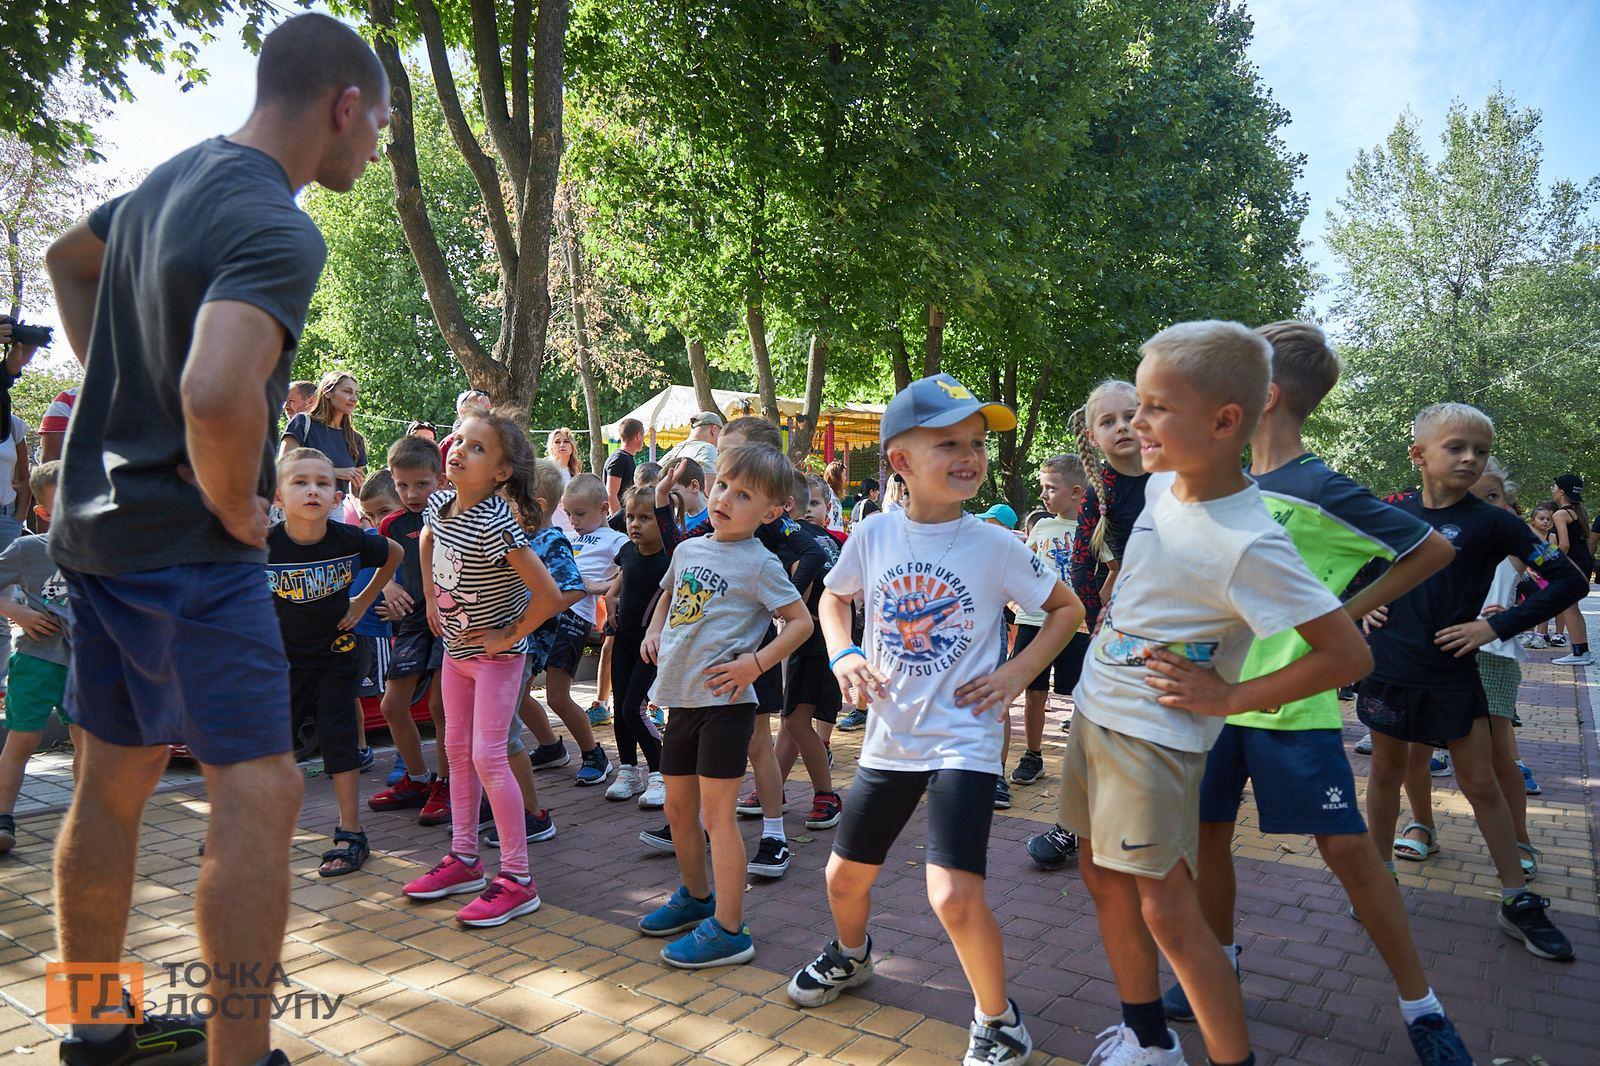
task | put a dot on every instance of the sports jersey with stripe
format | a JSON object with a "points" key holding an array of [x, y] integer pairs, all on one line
{"points": [[475, 585]]}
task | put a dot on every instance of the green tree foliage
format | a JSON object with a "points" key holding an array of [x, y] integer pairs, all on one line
{"points": [[45, 42], [1466, 278]]}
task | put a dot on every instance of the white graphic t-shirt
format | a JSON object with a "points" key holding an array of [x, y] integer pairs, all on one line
{"points": [[1199, 580], [934, 596], [1051, 541], [596, 553]]}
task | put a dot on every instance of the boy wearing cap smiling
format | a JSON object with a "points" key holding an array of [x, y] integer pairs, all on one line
{"points": [[935, 580]]}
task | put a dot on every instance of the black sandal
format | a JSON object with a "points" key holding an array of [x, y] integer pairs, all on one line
{"points": [[354, 853]]}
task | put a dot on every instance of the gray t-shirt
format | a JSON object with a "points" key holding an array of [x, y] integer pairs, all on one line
{"points": [[217, 222], [723, 595], [26, 564]]}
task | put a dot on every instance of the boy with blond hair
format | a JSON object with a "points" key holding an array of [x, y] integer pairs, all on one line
{"points": [[935, 580], [1205, 569], [1425, 686]]}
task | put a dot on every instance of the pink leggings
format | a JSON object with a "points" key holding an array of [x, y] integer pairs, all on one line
{"points": [[480, 696]]}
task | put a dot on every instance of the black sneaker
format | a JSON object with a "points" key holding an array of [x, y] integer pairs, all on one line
{"points": [[828, 975], [550, 756], [1347, 693], [1437, 1043], [999, 1045], [596, 767], [1053, 849], [539, 827], [1523, 916], [1029, 768], [485, 815], [1002, 794], [368, 759], [8, 832], [661, 839], [772, 858], [174, 1039]]}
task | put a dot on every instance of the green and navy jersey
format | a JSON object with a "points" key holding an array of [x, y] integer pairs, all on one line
{"points": [[1338, 527]]}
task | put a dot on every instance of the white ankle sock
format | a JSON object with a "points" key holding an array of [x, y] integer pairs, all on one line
{"points": [[1008, 1018], [855, 954], [773, 827], [1412, 1009]]}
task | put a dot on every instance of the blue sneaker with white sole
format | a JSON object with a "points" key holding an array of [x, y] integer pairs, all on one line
{"points": [[596, 767], [368, 759], [1437, 1043], [681, 911], [710, 945], [397, 773]]}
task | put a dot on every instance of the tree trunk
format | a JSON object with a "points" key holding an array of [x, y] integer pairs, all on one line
{"points": [[933, 347], [1017, 495], [14, 254], [755, 320], [577, 281], [805, 429], [700, 374], [899, 359]]}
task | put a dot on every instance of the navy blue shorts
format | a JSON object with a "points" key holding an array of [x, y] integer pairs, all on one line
{"points": [[1067, 666], [566, 652], [1301, 780], [414, 653], [182, 655]]}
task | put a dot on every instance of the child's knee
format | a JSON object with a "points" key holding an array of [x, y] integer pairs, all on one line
{"points": [[956, 900], [850, 880]]}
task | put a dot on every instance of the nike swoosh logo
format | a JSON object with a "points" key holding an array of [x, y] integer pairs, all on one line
{"points": [[1135, 847]]}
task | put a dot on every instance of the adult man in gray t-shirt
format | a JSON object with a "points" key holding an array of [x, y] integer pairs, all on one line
{"points": [[185, 299]]}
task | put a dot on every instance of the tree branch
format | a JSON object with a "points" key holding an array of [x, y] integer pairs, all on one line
{"points": [[483, 168], [521, 28], [492, 89]]}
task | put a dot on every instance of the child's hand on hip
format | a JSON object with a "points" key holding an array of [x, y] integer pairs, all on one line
{"points": [[728, 678], [1187, 687]]}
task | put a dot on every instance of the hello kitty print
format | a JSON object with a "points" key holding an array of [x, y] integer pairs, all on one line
{"points": [[474, 585]]}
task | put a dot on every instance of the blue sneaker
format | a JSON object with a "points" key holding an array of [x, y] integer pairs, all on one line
{"points": [[1439, 765], [681, 911], [368, 759], [852, 721], [599, 713], [397, 773], [1437, 1043], [596, 767], [1529, 785], [710, 945]]}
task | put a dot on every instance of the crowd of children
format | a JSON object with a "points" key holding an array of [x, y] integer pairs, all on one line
{"points": [[1190, 606]]}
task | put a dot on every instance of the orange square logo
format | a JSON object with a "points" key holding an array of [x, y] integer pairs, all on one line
{"points": [[90, 993]]}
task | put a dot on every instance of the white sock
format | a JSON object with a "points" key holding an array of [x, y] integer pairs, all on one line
{"points": [[773, 827], [1232, 951], [102, 1033], [420, 779], [1008, 1018], [855, 954], [522, 880], [1412, 1009]]}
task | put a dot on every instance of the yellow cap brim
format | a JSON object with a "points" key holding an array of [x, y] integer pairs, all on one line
{"points": [[998, 417]]}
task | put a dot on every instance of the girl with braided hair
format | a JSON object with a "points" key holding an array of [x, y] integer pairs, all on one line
{"points": [[1110, 453]]}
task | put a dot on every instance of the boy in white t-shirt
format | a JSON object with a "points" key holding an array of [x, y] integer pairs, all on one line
{"points": [[935, 581], [1206, 569]]}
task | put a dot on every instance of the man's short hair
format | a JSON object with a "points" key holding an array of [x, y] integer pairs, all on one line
{"points": [[312, 56], [1227, 362], [1442, 416], [379, 486], [586, 488], [44, 476], [304, 389], [414, 453], [766, 468], [754, 430], [1304, 367], [299, 455], [630, 428]]}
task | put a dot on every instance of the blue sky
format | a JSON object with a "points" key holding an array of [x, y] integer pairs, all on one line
{"points": [[1345, 69]]}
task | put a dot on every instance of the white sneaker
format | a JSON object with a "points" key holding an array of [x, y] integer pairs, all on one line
{"points": [[629, 783], [1574, 659], [1364, 745], [1119, 1047], [654, 796], [1535, 641]]}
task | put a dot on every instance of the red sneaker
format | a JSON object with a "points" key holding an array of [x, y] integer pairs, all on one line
{"points": [[436, 811], [502, 901], [450, 877], [403, 794], [826, 809], [750, 806]]}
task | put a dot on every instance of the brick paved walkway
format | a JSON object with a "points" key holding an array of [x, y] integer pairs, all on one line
{"points": [[575, 982]]}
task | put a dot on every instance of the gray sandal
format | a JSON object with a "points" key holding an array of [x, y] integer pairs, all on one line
{"points": [[1415, 850], [1530, 865]]}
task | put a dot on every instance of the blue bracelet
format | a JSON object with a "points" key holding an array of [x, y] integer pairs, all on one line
{"points": [[851, 650]]}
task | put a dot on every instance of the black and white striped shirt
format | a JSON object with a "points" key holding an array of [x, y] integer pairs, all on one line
{"points": [[475, 586]]}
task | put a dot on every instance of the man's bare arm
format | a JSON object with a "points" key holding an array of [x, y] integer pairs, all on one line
{"points": [[236, 346], [74, 261]]}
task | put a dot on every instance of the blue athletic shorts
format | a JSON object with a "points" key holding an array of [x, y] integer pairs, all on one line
{"points": [[182, 655], [1301, 780]]}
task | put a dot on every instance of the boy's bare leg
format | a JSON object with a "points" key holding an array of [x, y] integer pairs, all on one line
{"points": [[957, 898], [602, 684], [533, 715], [76, 732], [718, 795], [1419, 791], [1005, 741], [361, 725], [764, 765], [436, 712], [1218, 886], [396, 707], [522, 770], [850, 898], [1384, 778], [1169, 908], [824, 731], [1128, 945], [347, 793], [558, 690], [683, 816], [1033, 708], [785, 751], [1473, 758], [797, 727], [14, 764], [1503, 738], [1376, 898]]}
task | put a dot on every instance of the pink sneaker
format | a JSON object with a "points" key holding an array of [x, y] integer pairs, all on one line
{"points": [[450, 877], [502, 901]]}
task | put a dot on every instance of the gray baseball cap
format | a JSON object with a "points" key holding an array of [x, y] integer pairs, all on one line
{"points": [[706, 418], [939, 401]]}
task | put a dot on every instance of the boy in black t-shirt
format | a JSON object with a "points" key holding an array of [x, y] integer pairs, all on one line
{"points": [[1425, 686], [311, 564]]}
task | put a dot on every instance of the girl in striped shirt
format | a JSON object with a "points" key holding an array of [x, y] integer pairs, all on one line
{"points": [[486, 592]]}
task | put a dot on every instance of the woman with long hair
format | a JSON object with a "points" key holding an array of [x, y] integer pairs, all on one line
{"points": [[562, 449], [328, 427], [834, 476], [1572, 537]]}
